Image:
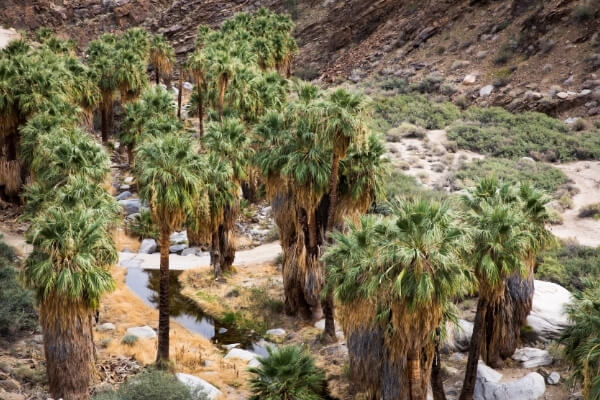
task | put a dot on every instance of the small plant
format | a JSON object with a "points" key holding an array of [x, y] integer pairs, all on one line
{"points": [[583, 12], [565, 201], [130, 340], [104, 343], [287, 373], [143, 227], [590, 211], [579, 125]]}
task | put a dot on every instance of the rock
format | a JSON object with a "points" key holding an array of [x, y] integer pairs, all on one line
{"points": [[553, 378], [562, 95], [124, 187], [585, 92], [231, 346], [276, 332], [143, 332], [107, 326], [241, 354], [190, 251], [10, 385], [179, 237], [39, 339], [469, 79], [548, 317], [176, 248], [532, 357], [486, 90], [488, 386], [569, 81], [128, 180], [188, 86], [570, 120], [222, 330], [527, 159], [458, 337], [123, 196], [12, 396], [148, 246], [547, 68], [174, 91], [459, 64], [481, 54], [194, 383], [131, 206]]}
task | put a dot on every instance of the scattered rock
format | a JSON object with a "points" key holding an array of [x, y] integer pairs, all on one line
{"points": [[458, 337], [481, 54], [562, 95], [179, 237], [230, 346], [10, 385], [548, 317], [12, 396], [194, 383], [553, 378], [276, 332], [459, 64], [486, 90], [488, 386], [176, 248], [188, 86], [190, 251], [131, 206], [107, 326], [470, 79], [532, 357], [124, 195], [241, 354], [124, 187], [143, 332], [148, 246], [128, 180]]}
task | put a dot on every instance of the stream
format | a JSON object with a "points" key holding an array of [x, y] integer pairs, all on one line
{"points": [[145, 283]]}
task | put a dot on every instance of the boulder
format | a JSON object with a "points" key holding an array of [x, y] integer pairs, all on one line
{"points": [[562, 95], [276, 332], [531, 357], [128, 180], [489, 387], [124, 187], [195, 383], [142, 332], [148, 246], [553, 378], [179, 237], [470, 79], [548, 317], [176, 248], [123, 196], [107, 326], [131, 206], [486, 90], [458, 337], [188, 86], [241, 354], [191, 251]]}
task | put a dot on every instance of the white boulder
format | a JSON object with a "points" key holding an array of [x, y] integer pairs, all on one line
{"points": [[531, 357], [241, 354], [107, 326], [458, 336], [548, 317], [486, 90], [489, 387], [142, 332], [148, 246], [470, 79], [276, 332], [195, 383]]}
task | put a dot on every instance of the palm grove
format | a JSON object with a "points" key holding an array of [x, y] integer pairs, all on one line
{"points": [[394, 276]]}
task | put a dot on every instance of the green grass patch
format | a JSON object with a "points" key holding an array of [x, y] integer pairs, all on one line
{"points": [[499, 133], [539, 175], [572, 266]]}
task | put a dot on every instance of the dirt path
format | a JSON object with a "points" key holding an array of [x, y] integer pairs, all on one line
{"points": [[256, 256], [586, 231]]}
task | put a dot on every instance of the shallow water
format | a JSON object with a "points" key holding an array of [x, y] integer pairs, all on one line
{"points": [[145, 283]]}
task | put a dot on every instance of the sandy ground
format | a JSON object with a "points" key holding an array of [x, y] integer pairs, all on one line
{"points": [[6, 35], [586, 231]]}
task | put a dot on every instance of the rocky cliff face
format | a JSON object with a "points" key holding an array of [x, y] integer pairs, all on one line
{"points": [[529, 51]]}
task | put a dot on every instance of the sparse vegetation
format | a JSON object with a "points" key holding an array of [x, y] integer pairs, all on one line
{"points": [[129, 340], [583, 12], [570, 265], [590, 211], [143, 227]]}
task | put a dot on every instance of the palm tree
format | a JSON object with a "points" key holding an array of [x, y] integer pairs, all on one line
{"points": [[501, 242], [68, 270], [198, 65], [223, 67], [168, 175], [162, 56], [394, 279]]}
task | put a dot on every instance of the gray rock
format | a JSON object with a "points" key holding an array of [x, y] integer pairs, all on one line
{"points": [[179, 237], [481, 54], [231, 346], [531, 357], [470, 79], [547, 68], [241, 354], [188, 86], [488, 386], [131, 206], [123, 196], [548, 317], [276, 332], [128, 180], [143, 332], [190, 251], [194, 383], [107, 326], [222, 330], [148, 246], [486, 90], [562, 95], [11, 396], [553, 378], [585, 92], [458, 337], [124, 187], [459, 64], [176, 248]]}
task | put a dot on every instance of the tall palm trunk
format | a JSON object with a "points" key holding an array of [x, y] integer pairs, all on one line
{"points": [[215, 260], [162, 356], [130, 154], [474, 350], [180, 92], [437, 384], [221, 101], [200, 112], [328, 305], [415, 375], [69, 348], [104, 127], [157, 76]]}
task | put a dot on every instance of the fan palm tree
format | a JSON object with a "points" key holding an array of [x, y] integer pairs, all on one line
{"points": [[162, 56], [223, 67], [169, 178], [394, 278], [197, 66], [501, 242], [68, 271]]}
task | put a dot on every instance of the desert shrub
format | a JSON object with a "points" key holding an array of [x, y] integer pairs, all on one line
{"points": [[17, 312], [129, 340], [590, 211], [582, 341], [153, 385], [405, 130], [429, 84], [570, 265], [539, 175], [415, 109], [579, 125], [505, 53], [583, 12], [287, 373], [143, 227], [497, 132], [393, 83]]}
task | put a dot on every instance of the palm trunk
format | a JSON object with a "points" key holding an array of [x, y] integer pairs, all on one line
{"points": [[474, 350], [162, 356], [415, 376], [226, 249], [214, 255], [157, 77], [437, 384], [104, 127], [180, 94], [130, 155], [222, 90], [69, 348], [200, 112]]}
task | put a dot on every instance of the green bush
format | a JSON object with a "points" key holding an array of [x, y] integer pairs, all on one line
{"points": [[153, 385], [415, 109], [539, 175], [17, 312], [143, 227], [590, 211], [583, 13], [572, 266], [582, 341], [129, 340], [497, 132], [287, 373]]}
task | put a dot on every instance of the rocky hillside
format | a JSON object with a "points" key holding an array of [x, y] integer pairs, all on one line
{"points": [[522, 54]]}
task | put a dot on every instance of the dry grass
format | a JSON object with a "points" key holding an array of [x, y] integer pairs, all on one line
{"points": [[124, 241]]}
